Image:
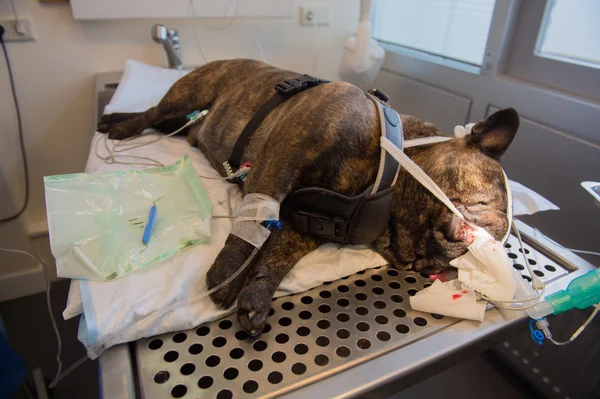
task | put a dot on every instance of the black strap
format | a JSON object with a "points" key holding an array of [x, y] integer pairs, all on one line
{"points": [[284, 90]]}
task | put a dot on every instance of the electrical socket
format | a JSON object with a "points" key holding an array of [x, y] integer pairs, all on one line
{"points": [[309, 16], [13, 32]]}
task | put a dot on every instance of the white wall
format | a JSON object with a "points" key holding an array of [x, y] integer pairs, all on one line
{"points": [[54, 76]]}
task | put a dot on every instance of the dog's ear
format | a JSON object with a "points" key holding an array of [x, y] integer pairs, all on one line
{"points": [[493, 135]]}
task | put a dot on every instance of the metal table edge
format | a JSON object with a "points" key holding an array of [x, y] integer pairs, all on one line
{"points": [[115, 371]]}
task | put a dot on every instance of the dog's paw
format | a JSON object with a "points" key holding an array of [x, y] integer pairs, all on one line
{"points": [[254, 304], [225, 296], [122, 130], [233, 255], [107, 121], [103, 127]]}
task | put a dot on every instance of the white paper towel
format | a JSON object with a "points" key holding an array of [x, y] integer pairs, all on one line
{"points": [[527, 202], [449, 299]]}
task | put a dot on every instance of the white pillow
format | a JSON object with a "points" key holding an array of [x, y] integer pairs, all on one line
{"points": [[141, 87]]}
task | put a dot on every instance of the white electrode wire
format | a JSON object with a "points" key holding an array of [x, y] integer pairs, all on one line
{"points": [[256, 40], [213, 178], [125, 145], [529, 269], [111, 158], [58, 378], [228, 23], [14, 9], [192, 13], [501, 304], [59, 375], [143, 161], [579, 330], [315, 49], [579, 251]]}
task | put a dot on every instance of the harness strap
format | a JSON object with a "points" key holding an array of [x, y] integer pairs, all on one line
{"points": [[284, 90], [360, 219], [391, 128]]}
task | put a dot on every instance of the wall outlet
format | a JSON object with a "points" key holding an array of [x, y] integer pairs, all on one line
{"points": [[311, 16], [17, 31]]}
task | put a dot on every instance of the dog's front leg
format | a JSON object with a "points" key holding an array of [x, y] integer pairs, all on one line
{"points": [[275, 177], [278, 256]]}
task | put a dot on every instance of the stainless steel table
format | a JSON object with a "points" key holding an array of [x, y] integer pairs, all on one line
{"points": [[352, 337]]}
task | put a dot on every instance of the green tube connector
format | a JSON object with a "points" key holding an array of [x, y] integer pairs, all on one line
{"points": [[581, 293]]}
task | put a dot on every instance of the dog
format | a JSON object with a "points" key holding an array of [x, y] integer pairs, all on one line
{"points": [[328, 136]]}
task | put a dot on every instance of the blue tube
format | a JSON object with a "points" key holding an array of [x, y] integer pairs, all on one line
{"points": [[149, 224]]}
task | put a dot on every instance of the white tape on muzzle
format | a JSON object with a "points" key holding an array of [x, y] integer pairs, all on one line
{"points": [[255, 208]]}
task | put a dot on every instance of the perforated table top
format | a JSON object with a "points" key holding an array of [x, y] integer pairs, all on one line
{"points": [[309, 336]]}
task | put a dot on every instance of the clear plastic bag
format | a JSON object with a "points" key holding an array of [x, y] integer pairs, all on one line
{"points": [[96, 221]]}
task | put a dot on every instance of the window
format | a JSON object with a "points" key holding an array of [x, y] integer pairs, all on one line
{"points": [[557, 44], [570, 32], [455, 29]]}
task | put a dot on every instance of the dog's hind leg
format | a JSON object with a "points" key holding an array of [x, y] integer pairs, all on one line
{"points": [[179, 101], [195, 91]]}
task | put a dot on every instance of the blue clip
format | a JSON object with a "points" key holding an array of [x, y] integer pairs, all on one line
{"points": [[193, 115], [536, 335], [274, 224]]}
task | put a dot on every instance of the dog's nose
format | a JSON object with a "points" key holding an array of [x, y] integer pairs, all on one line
{"points": [[458, 230]]}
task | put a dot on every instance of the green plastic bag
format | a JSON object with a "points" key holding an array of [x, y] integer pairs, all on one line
{"points": [[96, 221]]}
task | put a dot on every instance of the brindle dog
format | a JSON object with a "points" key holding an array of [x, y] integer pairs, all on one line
{"points": [[327, 136]]}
